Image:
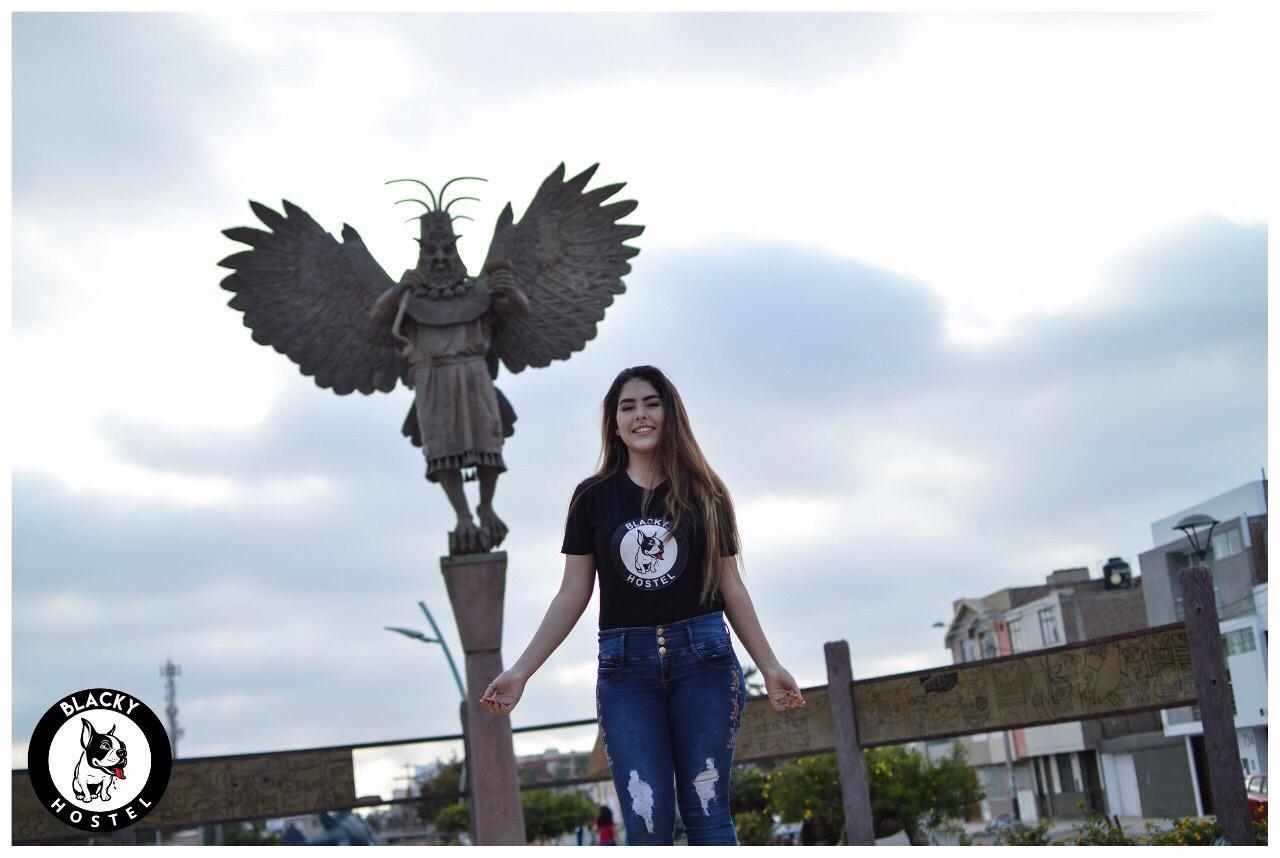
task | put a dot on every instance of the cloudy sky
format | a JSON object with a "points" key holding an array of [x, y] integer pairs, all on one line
{"points": [[953, 300]]}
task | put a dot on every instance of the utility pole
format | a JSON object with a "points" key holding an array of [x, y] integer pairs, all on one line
{"points": [[409, 778], [168, 673], [457, 679], [1009, 778]]}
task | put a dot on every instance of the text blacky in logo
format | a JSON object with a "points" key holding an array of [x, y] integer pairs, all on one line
{"points": [[99, 760]]}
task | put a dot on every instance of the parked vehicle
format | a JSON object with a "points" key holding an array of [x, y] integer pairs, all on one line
{"points": [[1256, 787], [1005, 822], [786, 833]]}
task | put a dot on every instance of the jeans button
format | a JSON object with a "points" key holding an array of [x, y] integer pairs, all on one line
{"points": [[662, 640], [662, 650], [661, 631]]}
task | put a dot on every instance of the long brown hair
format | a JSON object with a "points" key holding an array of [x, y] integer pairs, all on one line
{"points": [[692, 486]]}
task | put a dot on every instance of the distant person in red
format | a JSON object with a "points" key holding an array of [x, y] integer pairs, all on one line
{"points": [[604, 825]]}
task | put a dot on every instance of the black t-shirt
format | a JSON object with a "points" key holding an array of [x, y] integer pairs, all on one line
{"points": [[643, 581]]}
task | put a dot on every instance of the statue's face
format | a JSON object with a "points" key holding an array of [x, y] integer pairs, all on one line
{"points": [[438, 255], [639, 416]]}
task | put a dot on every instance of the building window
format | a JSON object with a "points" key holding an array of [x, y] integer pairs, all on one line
{"points": [[1227, 544], [967, 650], [994, 781], [1015, 635], [1237, 642], [1049, 626], [987, 643]]}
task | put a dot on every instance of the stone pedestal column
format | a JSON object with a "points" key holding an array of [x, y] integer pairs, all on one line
{"points": [[476, 583]]}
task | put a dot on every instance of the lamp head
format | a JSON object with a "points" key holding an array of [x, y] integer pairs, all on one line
{"points": [[1198, 529]]}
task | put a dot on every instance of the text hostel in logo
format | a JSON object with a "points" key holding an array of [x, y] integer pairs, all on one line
{"points": [[99, 760]]}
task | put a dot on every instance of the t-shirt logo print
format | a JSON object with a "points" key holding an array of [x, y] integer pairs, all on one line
{"points": [[648, 554]]}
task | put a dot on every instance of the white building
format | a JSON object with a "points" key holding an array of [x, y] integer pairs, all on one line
{"points": [[1054, 769], [1237, 559]]}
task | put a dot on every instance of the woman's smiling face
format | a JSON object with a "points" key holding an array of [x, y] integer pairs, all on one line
{"points": [[639, 416]]}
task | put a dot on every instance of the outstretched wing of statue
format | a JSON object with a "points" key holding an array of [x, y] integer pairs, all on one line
{"points": [[569, 260], [308, 296]]}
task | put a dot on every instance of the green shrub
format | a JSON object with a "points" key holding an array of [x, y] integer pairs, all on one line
{"points": [[453, 819], [1035, 836], [549, 814], [1096, 830], [749, 799], [1190, 831], [754, 829]]}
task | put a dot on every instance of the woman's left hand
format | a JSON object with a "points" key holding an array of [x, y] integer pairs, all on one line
{"points": [[782, 689]]}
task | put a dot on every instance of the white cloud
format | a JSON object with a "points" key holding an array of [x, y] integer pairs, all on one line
{"points": [[576, 674], [1001, 160]]}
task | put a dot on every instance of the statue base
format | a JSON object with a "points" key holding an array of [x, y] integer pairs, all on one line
{"points": [[476, 584]]}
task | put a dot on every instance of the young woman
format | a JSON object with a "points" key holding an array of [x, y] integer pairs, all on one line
{"points": [[658, 526]]}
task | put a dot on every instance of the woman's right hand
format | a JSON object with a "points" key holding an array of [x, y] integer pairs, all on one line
{"points": [[784, 692], [503, 693]]}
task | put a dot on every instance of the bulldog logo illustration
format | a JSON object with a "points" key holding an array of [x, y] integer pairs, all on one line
{"points": [[102, 762], [647, 554]]}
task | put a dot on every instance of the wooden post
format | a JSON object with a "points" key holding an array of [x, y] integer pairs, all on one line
{"points": [[1226, 778], [858, 825]]}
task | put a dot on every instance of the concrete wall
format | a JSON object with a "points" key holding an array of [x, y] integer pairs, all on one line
{"points": [[1054, 738], [1103, 613]]}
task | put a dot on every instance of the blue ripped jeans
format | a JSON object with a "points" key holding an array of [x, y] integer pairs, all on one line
{"points": [[670, 701]]}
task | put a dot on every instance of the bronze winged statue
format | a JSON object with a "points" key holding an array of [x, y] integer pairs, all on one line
{"points": [[331, 309]]}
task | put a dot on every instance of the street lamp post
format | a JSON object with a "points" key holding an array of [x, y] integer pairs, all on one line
{"points": [[453, 667], [1213, 690]]}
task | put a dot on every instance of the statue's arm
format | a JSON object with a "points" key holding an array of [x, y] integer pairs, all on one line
{"points": [[405, 350], [507, 297], [384, 309]]}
